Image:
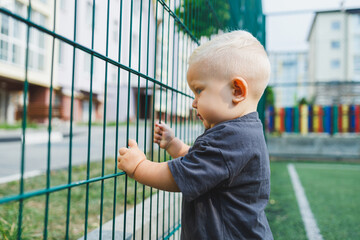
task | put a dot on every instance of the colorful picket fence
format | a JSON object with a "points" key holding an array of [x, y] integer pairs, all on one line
{"points": [[306, 119]]}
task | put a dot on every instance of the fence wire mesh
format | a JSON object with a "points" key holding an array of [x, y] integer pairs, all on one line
{"points": [[110, 69]]}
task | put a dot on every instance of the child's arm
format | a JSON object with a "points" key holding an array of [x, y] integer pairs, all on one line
{"points": [[133, 161], [166, 139]]}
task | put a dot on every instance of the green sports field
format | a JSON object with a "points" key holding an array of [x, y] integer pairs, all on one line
{"points": [[333, 193]]}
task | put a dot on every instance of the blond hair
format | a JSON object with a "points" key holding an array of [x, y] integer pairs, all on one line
{"points": [[236, 53]]}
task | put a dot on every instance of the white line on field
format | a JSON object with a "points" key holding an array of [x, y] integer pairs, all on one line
{"points": [[311, 228], [330, 166], [16, 177]]}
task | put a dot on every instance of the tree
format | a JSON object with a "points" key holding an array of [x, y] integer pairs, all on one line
{"points": [[269, 96], [204, 17]]}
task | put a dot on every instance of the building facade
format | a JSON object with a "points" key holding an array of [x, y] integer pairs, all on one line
{"points": [[289, 77], [13, 59], [334, 57], [126, 43]]}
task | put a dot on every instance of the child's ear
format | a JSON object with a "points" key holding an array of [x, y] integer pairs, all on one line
{"points": [[239, 89]]}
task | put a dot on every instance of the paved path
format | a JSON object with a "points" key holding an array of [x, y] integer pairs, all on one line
{"points": [[36, 147]]}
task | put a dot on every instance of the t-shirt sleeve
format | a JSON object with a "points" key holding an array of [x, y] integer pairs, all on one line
{"points": [[201, 170]]}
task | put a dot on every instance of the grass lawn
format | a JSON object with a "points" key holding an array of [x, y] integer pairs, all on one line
{"points": [[34, 208], [333, 192]]}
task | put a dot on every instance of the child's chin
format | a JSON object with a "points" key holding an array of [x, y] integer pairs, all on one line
{"points": [[207, 126]]}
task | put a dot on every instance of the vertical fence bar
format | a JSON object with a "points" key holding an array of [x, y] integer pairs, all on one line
{"points": [[153, 121], [137, 114], [104, 123], [146, 116], [166, 106], [117, 123], [23, 134], [160, 105], [89, 122], [71, 129], [177, 87], [48, 166], [128, 114], [171, 103]]}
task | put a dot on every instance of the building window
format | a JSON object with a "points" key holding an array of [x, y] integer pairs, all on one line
{"points": [[4, 50], [335, 63], [357, 43], [335, 25], [90, 14], [20, 9], [116, 31], [335, 44], [87, 62], [63, 5], [4, 25], [41, 60], [37, 42], [60, 52], [16, 54], [357, 64], [12, 32], [289, 63]]}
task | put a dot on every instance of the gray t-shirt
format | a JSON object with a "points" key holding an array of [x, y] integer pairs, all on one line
{"points": [[225, 181]]}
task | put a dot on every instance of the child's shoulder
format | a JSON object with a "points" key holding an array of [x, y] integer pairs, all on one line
{"points": [[235, 126], [234, 133]]}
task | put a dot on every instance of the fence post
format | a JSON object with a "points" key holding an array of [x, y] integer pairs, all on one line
{"points": [[316, 118], [345, 118], [357, 118], [335, 119], [288, 119], [296, 119], [327, 119], [352, 118], [310, 117], [304, 112]]}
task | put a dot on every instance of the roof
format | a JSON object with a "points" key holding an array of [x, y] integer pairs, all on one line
{"points": [[349, 11]]}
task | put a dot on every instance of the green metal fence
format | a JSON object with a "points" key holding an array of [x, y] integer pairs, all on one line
{"points": [[73, 201]]}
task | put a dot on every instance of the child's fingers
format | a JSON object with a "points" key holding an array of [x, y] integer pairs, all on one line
{"points": [[123, 150], [158, 130], [132, 143], [157, 136], [160, 125]]}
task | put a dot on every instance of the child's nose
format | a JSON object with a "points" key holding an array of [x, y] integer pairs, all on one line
{"points": [[194, 103]]}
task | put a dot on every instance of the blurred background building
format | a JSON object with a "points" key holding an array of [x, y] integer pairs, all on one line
{"points": [[13, 59], [289, 77], [81, 68], [334, 57]]}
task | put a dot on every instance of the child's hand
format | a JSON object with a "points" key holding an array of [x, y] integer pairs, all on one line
{"points": [[163, 135], [130, 158]]}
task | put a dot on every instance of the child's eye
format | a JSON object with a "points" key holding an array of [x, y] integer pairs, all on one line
{"points": [[198, 91]]}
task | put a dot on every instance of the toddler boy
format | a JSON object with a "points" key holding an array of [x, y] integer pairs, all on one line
{"points": [[225, 176]]}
